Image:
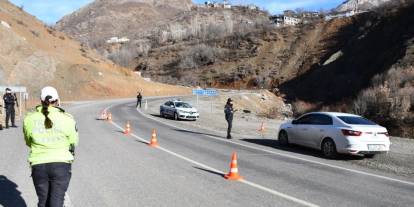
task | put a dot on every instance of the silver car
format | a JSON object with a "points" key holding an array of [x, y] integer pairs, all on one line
{"points": [[179, 110], [334, 133]]}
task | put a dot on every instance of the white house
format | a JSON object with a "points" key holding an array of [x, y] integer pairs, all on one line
{"points": [[253, 7], [117, 40], [287, 20]]}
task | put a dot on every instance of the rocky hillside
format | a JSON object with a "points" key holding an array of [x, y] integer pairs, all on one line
{"points": [[351, 5], [345, 64], [34, 55], [369, 71], [103, 19]]}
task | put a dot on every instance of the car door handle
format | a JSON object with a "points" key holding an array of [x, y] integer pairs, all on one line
{"points": [[305, 129], [321, 130]]}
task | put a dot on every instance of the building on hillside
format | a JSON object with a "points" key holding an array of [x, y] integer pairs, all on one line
{"points": [[253, 7], [277, 20], [343, 15], [226, 4], [113, 40], [310, 15], [213, 4], [291, 20]]}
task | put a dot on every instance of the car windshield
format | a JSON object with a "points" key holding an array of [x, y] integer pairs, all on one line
{"points": [[355, 120], [182, 105]]}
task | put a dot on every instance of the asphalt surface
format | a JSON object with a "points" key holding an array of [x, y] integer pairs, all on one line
{"points": [[112, 169]]}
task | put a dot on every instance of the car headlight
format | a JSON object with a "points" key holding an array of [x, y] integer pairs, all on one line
{"points": [[181, 111]]}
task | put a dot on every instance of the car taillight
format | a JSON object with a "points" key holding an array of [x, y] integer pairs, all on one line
{"points": [[347, 132], [384, 133]]}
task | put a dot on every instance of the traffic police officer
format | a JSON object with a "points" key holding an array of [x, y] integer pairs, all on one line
{"points": [[51, 135], [9, 101], [229, 111], [139, 100]]}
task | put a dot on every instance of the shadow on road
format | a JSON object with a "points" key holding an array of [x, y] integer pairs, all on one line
{"points": [[159, 116], [209, 171], [297, 149], [156, 115], [9, 195], [146, 143], [199, 133]]}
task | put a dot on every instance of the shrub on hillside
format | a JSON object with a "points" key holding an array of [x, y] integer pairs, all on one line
{"points": [[198, 55], [390, 99]]}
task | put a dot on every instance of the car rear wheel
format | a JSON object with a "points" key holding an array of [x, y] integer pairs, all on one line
{"points": [[370, 156], [283, 138], [329, 149]]}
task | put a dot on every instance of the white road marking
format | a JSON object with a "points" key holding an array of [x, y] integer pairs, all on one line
{"points": [[290, 156], [251, 184], [68, 202]]}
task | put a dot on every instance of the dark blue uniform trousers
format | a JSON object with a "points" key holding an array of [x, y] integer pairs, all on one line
{"points": [[51, 180]]}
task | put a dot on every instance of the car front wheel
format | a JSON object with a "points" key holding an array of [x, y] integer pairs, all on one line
{"points": [[329, 149], [283, 138], [176, 116]]}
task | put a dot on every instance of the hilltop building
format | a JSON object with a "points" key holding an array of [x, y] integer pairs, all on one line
{"points": [[117, 40]]}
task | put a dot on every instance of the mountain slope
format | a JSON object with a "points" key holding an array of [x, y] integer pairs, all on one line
{"points": [[373, 75], [34, 55], [103, 19], [351, 5]]}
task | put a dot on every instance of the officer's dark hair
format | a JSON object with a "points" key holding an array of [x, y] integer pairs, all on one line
{"points": [[45, 112], [229, 101]]}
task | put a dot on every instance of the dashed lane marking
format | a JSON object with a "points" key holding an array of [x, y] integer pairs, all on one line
{"points": [[251, 184], [289, 156]]}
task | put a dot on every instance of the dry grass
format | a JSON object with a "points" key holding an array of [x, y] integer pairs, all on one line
{"points": [[390, 100]]}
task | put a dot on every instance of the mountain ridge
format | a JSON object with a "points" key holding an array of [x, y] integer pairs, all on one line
{"points": [[355, 5], [34, 55]]}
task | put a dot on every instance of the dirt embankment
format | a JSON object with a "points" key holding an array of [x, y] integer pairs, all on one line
{"points": [[34, 55]]}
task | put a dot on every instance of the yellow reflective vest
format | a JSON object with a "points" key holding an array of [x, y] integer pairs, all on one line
{"points": [[50, 145]]}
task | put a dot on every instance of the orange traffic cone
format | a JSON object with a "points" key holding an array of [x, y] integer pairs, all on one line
{"points": [[154, 142], [234, 171], [127, 128], [262, 128], [109, 117]]}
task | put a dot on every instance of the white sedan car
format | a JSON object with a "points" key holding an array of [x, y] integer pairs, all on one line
{"points": [[179, 110], [334, 133]]}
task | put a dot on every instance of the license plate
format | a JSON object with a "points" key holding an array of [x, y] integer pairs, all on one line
{"points": [[376, 147]]}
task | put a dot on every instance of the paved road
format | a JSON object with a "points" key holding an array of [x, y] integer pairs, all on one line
{"points": [[187, 170]]}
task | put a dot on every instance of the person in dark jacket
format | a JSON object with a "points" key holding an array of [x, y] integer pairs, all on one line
{"points": [[10, 101], [139, 99], [229, 111]]}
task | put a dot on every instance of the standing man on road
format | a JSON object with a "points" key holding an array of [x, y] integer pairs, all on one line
{"points": [[9, 101], [229, 111], [2, 117], [139, 100], [52, 136]]}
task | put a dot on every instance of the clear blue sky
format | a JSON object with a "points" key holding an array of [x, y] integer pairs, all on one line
{"points": [[50, 11]]}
